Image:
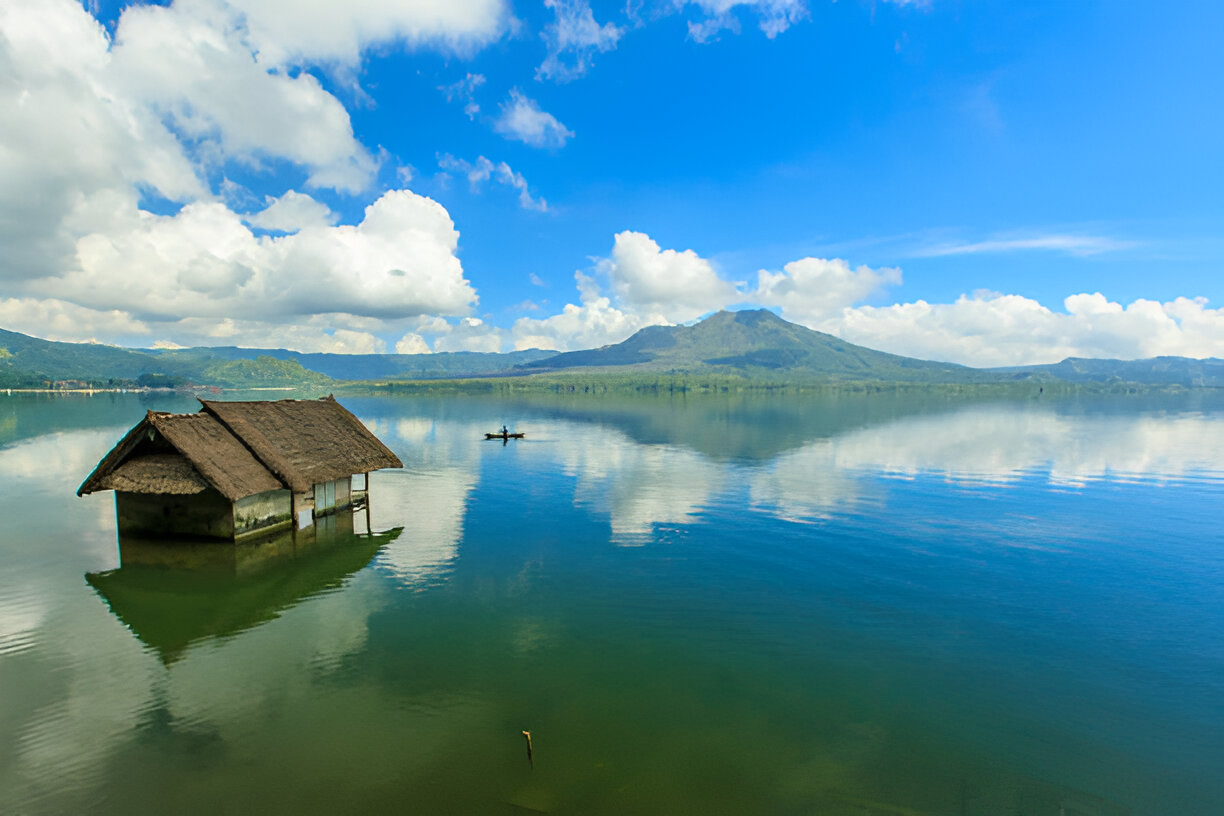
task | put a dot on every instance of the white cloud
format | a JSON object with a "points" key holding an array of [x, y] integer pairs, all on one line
{"points": [[465, 91], [483, 170], [291, 32], [998, 330], [55, 319], [573, 39], [521, 119], [1079, 245], [182, 92], [292, 212], [203, 262], [812, 289], [648, 286], [773, 16], [676, 286], [592, 324], [70, 134], [191, 64], [313, 335], [471, 334], [412, 343]]}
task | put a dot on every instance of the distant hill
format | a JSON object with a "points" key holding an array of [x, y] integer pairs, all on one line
{"points": [[757, 344], [752, 345], [370, 366], [1183, 371], [29, 362]]}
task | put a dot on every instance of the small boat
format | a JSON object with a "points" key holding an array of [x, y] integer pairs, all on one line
{"points": [[506, 435]]}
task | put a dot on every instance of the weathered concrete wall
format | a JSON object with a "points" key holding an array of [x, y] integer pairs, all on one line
{"points": [[303, 509], [340, 492], [200, 515], [263, 511]]}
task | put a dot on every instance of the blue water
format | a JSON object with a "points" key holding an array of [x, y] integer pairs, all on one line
{"points": [[863, 604]]}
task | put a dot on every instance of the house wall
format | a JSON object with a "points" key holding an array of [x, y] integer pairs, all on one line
{"points": [[263, 511], [303, 509], [200, 515], [332, 496]]}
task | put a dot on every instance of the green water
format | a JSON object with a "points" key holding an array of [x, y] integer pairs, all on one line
{"points": [[866, 604]]}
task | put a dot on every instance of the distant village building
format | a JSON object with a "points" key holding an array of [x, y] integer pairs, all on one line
{"points": [[237, 468]]}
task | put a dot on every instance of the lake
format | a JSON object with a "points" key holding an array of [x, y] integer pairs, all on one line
{"points": [[838, 604]]}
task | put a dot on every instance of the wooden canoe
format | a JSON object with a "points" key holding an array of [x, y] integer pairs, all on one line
{"points": [[504, 435]]}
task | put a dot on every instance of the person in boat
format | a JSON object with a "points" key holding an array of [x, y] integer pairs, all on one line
{"points": [[505, 431]]}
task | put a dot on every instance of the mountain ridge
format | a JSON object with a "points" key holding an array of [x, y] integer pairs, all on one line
{"points": [[753, 345]]}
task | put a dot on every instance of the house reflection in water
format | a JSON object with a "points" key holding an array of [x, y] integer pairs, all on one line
{"points": [[172, 594]]}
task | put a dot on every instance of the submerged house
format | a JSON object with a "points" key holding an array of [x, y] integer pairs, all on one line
{"points": [[237, 468]]}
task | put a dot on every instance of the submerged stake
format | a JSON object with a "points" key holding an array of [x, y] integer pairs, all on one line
{"points": [[530, 761]]}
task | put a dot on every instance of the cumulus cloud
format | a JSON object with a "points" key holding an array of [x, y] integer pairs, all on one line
{"points": [[204, 262], [573, 39], [471, 334], [193, 64], [483, 170], [591, 323], [184, 93], [315, 334], [291, 32], [412, 343], [292, 212], [999, 330], [521, 119], [773, 16], [70, 134], [648, 286], [202, 276], [811, 289], [676, 286], [55, 319]]}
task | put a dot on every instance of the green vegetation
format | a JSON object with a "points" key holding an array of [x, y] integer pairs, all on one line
{"points": [[729, 352], [263, 371]]}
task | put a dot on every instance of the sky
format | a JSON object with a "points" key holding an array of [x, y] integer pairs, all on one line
{"points": [[988, 183]]}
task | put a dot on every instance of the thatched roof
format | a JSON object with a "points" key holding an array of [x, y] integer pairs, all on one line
{"points": [[155, 473], [241, 448], [305, 441]]}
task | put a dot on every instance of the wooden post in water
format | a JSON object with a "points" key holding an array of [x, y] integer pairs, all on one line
{"points": [[530, 760]]}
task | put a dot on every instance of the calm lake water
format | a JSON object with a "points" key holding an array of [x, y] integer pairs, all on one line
{"points": [[833, 605]]}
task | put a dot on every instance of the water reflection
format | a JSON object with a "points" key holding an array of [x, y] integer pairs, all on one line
{"points": [[666, 482], [172, 594], [857, 663], [638, 486], [428, 497]]}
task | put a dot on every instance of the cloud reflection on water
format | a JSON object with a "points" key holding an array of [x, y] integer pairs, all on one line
{"points": [[642, 485]]}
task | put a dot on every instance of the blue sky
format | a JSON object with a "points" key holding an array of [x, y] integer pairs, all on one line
{"points": [[985, 182]]}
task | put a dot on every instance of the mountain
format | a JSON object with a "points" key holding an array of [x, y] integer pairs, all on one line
{"points": [[757, 343], [753, 345]]}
